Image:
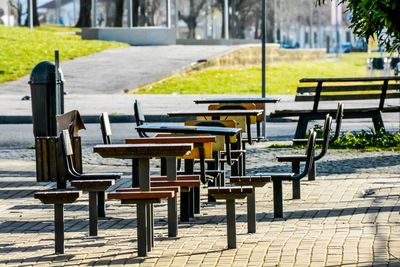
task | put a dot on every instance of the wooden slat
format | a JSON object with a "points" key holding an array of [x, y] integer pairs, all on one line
{"points": [[230, 190], [239, 100], [53, 157], [142, 150], [178, 177], [352, 79], [141, 195], [163, 188], [171, 140], [182, 183], [345, 97], [347, 88], [92, 185], [39, 160], [57, 197]]}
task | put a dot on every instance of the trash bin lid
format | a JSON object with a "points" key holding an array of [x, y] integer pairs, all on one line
{"points": [[42, 73]]}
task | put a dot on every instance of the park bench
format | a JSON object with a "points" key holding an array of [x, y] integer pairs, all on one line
{"points": [[344, 89], [230, 194], [68, 173], [278, 178], [58, 199], [297, 159]]}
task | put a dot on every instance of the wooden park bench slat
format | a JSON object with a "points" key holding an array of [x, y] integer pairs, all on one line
{"points": [[346, 97], [141, 195], [153, 188], [346, 88]]}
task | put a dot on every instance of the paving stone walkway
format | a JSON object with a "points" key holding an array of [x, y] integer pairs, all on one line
{"points": [[349, 216]]}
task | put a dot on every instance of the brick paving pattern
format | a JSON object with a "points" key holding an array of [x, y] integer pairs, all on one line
{"points": [[349, 216]]}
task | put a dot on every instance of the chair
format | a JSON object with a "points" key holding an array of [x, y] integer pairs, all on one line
{"points": [[69, 172], [277, 178], [296, 159], [338, 121]]}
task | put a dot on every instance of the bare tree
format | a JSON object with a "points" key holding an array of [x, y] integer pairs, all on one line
{"points": [[34, 15], [85, 18], [16, 9], [195, 6]]}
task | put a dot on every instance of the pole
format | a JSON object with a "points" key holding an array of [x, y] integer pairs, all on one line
{"points": [[30, 3], [263, 60], [226, 19], [168, 14], [94, 13], [129, 17]]}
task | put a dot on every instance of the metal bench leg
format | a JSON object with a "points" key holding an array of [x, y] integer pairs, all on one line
{"points": [[251, 212], [278, 205], [191, 202], [172, 217], [142, 229], [59, 228], [185, 205], [296, 189], [93, 213], [296, 183], [101, 207], [196, 196], [378, 122], [312, 173], [150, 227], [301, 127], [231, 222]]}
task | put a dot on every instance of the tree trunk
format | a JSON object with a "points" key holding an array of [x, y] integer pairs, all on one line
{"points": [[35, 15], [85, 17]]}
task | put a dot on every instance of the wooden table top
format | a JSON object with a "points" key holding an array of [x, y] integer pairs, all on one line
{"points": [[172, 140], [223, 112], [129, 151], [225, 131], [242, 100]]}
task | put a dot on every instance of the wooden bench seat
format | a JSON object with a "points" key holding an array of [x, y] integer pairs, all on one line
{"points": [[230, 194], [253, 181], [58, 198], [93, 187], [160, 188], [142, 199]]}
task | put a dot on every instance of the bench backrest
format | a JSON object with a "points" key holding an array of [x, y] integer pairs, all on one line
{"points": [[105, 127], [139, 116], [67, 156], [309, 155], [343, 92], [338, 121], [327, 131]]}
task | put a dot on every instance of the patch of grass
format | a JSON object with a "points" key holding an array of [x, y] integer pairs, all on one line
{"points": [[281, 79], [21, 49], [368, 140]]}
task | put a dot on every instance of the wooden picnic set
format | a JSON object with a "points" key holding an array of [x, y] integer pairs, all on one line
{"points": [[195, 157]]}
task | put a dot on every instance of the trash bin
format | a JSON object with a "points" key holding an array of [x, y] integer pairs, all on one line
{"points": [[47, 98]]}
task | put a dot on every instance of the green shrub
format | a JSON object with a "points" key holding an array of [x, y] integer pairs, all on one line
{"points": [[368, 140]]}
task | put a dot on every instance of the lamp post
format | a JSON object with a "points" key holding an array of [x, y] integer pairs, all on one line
{"points": [[263, 60]]}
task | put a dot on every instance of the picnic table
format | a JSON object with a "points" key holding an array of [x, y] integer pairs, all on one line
{"points": [[258, 101], [219, 114], [227, 132], [141, 154]]}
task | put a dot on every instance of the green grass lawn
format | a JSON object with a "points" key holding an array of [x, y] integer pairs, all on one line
{"points": [[21, 49], [281, 79]]}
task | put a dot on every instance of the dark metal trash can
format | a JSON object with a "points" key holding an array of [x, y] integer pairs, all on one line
{"points": [[47, 99]]}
